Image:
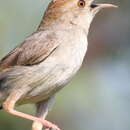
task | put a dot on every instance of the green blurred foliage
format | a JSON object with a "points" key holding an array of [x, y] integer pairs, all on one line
{"points": [[98, 97]]}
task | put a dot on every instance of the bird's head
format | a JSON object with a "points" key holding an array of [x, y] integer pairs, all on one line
{"points": [[76, 12]]}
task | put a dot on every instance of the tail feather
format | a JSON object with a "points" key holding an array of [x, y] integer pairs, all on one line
{"points": [[1, 107]]}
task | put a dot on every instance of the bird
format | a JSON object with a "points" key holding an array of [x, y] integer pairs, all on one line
{"points": [[39, 67]]}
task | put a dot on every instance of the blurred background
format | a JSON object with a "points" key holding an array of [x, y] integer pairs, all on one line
{"points": [[98, 98]]}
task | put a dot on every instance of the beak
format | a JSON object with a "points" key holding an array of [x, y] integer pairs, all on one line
{"points": [[106, 6], [97, 7]]}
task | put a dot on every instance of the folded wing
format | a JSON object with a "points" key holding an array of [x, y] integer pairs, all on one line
{"points": [[33, 50]]}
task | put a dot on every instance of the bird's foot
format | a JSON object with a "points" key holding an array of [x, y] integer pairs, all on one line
{"points": [[49, 126]]}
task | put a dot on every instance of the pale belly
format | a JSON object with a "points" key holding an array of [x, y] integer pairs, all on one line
{"points": [[49, 84], [53, 75]]}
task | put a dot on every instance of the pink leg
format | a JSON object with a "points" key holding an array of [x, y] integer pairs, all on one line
{"points": [[9, 104], [42, 111]]}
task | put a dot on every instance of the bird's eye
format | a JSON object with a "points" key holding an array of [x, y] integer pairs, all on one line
{"points": [[81, 3]]}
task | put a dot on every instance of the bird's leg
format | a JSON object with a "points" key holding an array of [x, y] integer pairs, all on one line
{"points": [[42, 111], [9, 105]]}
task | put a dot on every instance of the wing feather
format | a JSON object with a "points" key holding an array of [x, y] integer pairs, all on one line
{"points": [[32, 51]]}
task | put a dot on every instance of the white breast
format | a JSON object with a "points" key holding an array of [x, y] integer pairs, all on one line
{"points": [[61, 65], [73, 48], [69, 55]]}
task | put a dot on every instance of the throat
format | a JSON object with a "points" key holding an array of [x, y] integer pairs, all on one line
{"points": [[62, 25]]}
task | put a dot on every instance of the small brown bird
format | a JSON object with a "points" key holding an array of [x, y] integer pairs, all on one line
{"points": [[47, 60]]}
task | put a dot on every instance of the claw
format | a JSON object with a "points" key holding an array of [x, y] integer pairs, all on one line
{"points": [[49, 126]]}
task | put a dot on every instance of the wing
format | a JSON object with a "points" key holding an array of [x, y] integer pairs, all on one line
{"points": [[32, 51]]}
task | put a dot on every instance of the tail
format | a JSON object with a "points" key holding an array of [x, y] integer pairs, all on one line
{"points": [[0, 101], [1, 97], [1, 107]]}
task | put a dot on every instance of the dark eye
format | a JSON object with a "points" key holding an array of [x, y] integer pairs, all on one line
{"points": [[81, 3]]}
